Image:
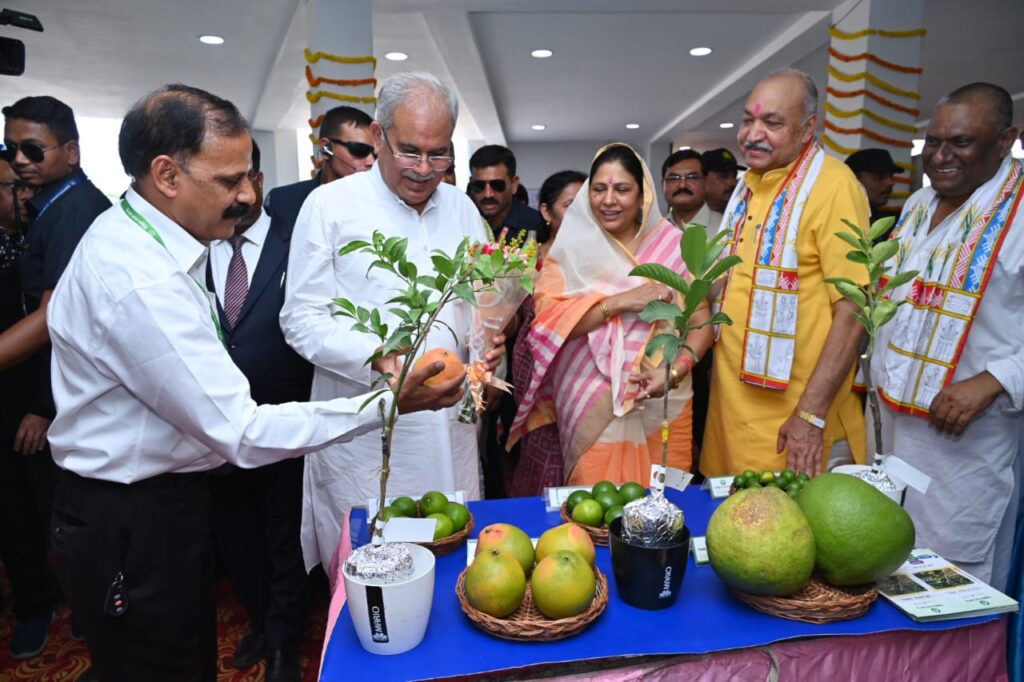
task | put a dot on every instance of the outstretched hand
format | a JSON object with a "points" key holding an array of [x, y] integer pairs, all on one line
{"points": [[803, 444]]}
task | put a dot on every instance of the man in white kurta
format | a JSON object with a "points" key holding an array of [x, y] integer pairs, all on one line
{"points": [[951, 364], [430, 450]]}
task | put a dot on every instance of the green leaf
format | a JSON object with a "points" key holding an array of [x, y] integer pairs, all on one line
{"points": [[464, 291], [660, 310], [696, 295], [427, 281], [408, 270], [852, 240], [363, 315], [899, 280], [399, 340], [864, 321], [381, 264], [858, 257], [883, 312], [719, 268], [720, 318], [857, 230], [836, 280], [884, 251], [442, 264], [526, 282], [355, 245], [659, 273], [401, 313], [880, 227], [694, 247], [658, 343], [853, 293], [671, 350], [712, 256], [373, 396]]}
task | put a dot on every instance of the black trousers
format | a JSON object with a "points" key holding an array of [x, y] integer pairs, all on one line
{"points": [[257, 516], [157, 534], [25, 497]]}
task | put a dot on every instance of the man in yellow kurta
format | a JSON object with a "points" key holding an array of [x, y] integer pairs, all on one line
{"points": [[781, 383]]}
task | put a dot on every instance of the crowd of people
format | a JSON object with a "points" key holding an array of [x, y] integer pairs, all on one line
{"points": [[176, 387]]}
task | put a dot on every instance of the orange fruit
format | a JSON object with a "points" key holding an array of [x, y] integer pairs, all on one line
{"points": [[568, 536], [563, 585], [453, 366], [507, 538], [495, 583]]}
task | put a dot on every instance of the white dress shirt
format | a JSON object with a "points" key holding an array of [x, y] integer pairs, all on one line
{"points": [[221, 253], [142, 383], [431, 450]]}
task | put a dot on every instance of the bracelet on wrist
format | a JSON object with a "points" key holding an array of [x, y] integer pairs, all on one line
{"points": [[604, 311], [812, 419]]}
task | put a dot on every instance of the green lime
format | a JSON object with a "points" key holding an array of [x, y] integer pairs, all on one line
{"points": [[787, 476], [767, 477], [388, 513], [802, 477], [589, 513], [608, 499], [576, 497], [631, 490], [432, 502], [750, 473], [406, 505], [793, 489], [458, 514], [603, 486], [611, 515], [739, 482], [443, 527], [749, 479]]}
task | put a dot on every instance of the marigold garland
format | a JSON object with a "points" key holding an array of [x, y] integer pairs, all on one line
{"points": [[313, 57], [843, 35], [315, 96], [878, 98], [872, 58], [344, 82], [877, 118], [892, 142], [873, 79]]}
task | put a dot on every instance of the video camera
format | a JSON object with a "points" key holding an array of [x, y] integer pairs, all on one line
{"points": [[12, 52]]}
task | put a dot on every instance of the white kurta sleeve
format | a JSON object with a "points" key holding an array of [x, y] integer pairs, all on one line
{"points": [[162, 350], [1009, 372], [307, 319]]}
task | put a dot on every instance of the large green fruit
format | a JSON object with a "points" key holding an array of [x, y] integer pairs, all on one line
{"points": [[759, 542], [861, 535]]}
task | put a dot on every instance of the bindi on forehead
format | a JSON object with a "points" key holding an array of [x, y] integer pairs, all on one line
{"points": [[757, 109], [609, 180]]}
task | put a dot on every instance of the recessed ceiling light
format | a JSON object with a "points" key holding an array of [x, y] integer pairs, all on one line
{"points": [[539, 126], [541, 54], [396, 56], [683, 148], [700, 52], [211, 40], [725, 125], [632, 126]]}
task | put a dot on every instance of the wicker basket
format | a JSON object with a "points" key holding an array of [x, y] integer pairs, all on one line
{"points": [[527, 623], [450, 543], [598, 535], [816, 602]]}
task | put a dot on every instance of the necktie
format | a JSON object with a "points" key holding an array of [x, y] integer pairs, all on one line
{"points": [[237, 285]]}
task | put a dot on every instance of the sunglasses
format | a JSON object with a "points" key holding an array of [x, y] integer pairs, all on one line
{"points": [[477, 186], [32, 152], [359, 150]]}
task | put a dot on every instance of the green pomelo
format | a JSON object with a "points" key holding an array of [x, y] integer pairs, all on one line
{"points": [[759, 542], [861, 535]]}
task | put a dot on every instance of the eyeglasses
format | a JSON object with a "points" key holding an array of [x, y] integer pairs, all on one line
{"points": [[413, 160], [14, 184], [477, 186], [32, 152], [359, 150], [689, 177]]}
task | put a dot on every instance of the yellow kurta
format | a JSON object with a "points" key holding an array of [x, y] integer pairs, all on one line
{"points": [[744, 420]]}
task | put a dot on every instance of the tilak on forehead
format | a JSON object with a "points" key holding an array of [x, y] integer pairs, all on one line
{"points": [[757, 108]]}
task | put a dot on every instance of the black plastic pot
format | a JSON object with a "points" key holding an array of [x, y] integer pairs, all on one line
{"points": [[648, 577]]}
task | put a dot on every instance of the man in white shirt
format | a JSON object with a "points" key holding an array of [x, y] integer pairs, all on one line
{"points": [[950, 365], [402, 195], [148, 399], [682, 183]]}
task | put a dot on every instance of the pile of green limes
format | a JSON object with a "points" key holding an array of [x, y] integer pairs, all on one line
{"points": [[603, 503], [788, 480]]}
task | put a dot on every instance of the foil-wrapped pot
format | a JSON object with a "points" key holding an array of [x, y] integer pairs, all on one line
{"points": [[381, 564], [878, 479], [651, 521]]}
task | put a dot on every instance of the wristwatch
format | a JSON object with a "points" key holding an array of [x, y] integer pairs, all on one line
{"points": [[812, 419]]}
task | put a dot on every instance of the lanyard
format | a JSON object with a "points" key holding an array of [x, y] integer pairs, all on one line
{"points": [[68, 184], [139, 220]]}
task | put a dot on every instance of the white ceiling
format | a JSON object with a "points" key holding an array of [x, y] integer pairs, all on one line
{"points": [[612, 66]]}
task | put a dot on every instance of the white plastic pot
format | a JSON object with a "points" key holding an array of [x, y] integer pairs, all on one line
{"points": [[392, 618], [854, 469]]}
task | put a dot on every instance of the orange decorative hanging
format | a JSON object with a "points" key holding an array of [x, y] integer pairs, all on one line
{"points": [[892, 142], [872, 58], [878, 98], [343, 82], [873, 79]]}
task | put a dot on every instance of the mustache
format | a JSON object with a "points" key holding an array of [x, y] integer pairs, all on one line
{"points": [[416, 177], [489, 202], [236, 210], [758, 147], [684, 190]]}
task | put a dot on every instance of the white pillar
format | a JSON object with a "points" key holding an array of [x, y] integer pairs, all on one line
{"points": [[339, 57], [874, 67]]}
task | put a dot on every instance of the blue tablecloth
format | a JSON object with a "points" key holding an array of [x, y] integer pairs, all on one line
{"points": [[705, 619]]}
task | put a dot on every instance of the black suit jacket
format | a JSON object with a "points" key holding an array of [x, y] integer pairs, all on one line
{"points": [[276, 373], [284, 203]]}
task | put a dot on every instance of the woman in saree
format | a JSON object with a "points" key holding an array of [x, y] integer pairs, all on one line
{"points": [[591, 373]]}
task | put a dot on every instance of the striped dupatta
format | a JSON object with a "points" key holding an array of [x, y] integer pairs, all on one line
{"points": [[582, 384]]}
